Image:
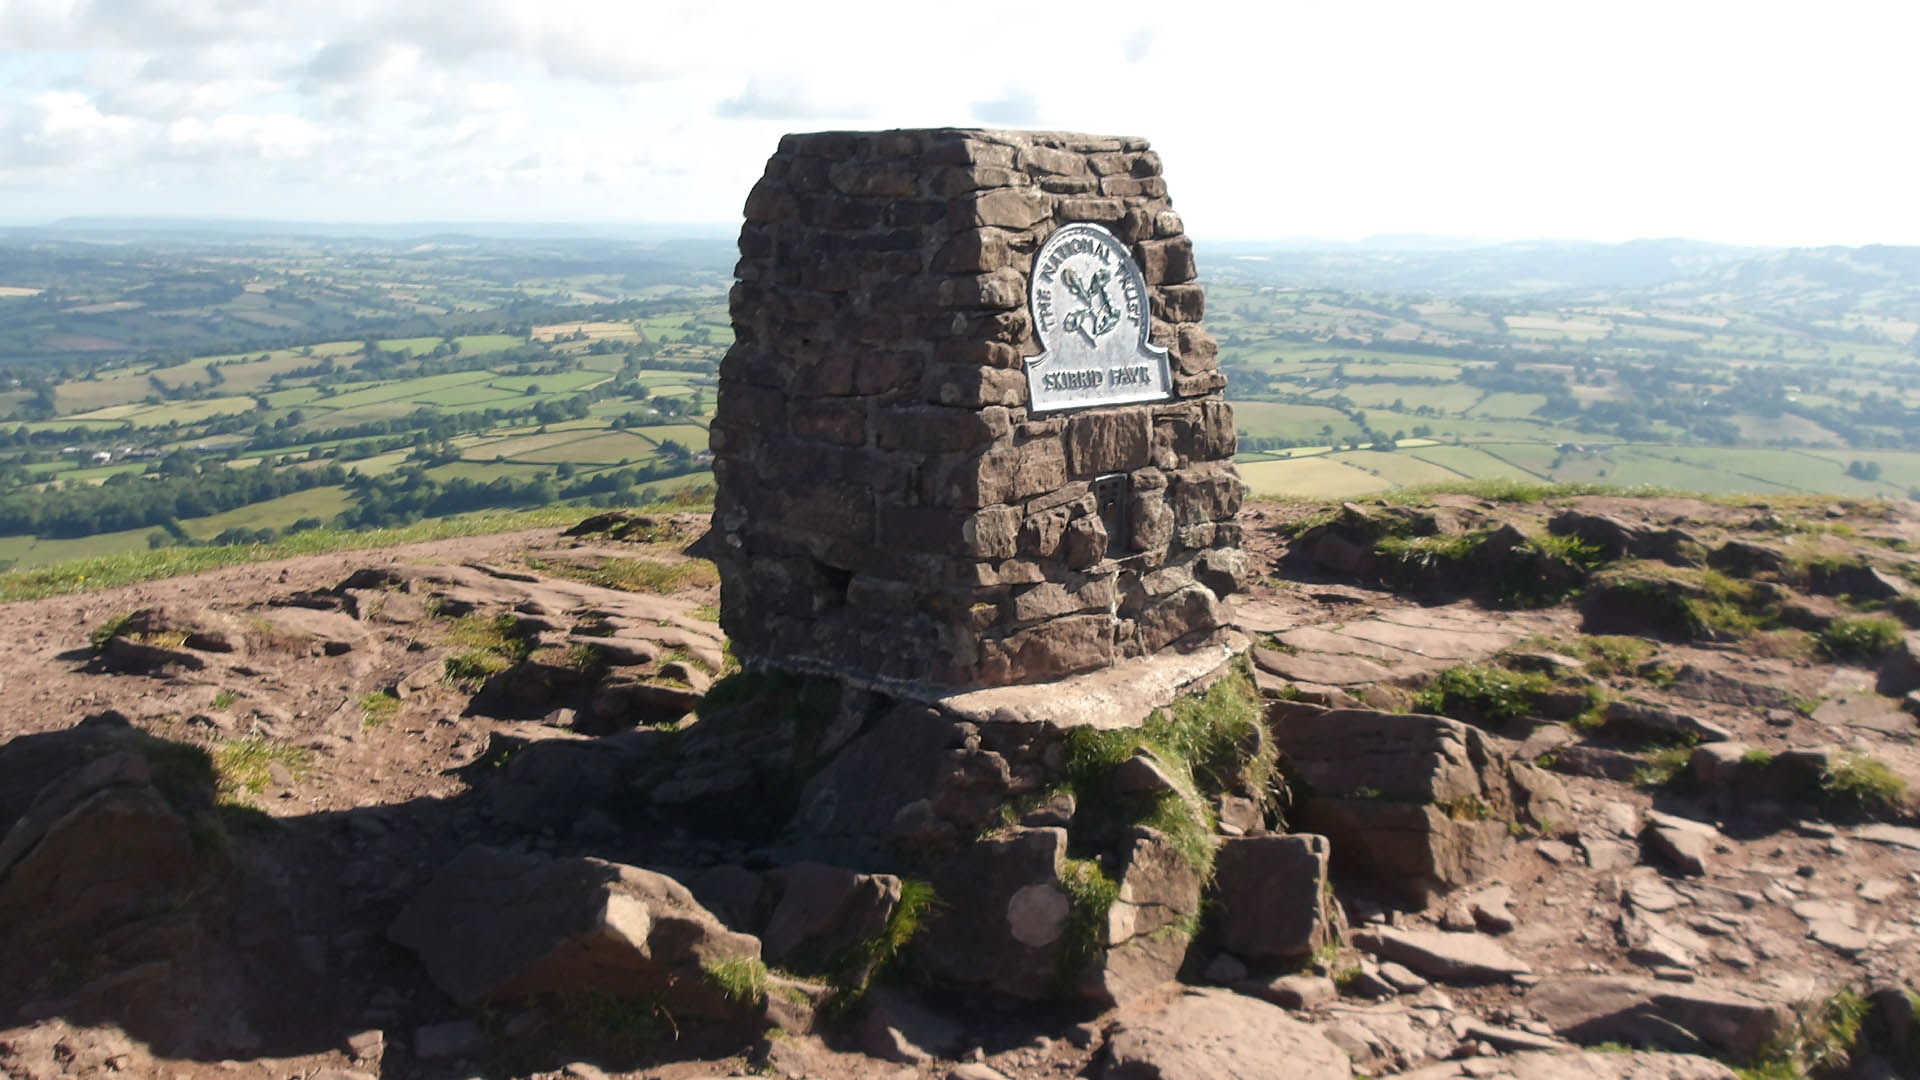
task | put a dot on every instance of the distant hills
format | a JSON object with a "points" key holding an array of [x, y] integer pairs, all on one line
{"points": [[1818, 282], [1808, 282]]}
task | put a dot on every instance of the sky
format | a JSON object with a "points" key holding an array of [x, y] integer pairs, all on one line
{"points": [[1751, 123]]}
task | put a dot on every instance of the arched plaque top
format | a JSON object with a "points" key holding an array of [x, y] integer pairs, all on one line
{"points": [[1089, 305]]}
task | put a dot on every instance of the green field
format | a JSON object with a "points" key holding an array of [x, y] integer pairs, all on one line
{"points": [[1338, 389], [605, 448], [1260, 419], [1398, 468], [1348, 473], [320, 502], [172, 412], [1324, 477], [28, 551], [1472, 462], [691, 436], [172, 409], [1508, 405], [117, 388], [1451, 398]]}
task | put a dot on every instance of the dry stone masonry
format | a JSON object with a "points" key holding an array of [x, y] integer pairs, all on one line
{"points": [[917, 483]]}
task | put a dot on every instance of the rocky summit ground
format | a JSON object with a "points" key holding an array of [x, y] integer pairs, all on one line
{"points": [[1611, 787]]}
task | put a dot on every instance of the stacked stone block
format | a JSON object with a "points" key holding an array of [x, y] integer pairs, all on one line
{"points": [[889, 508]]}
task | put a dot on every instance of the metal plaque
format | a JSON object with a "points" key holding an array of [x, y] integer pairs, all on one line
{"points": [[1089, 303]]}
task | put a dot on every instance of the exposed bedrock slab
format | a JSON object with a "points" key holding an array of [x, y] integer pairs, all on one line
{"points": [[1147, 935], [1116, 696], [1206, 1034], [1418, 803], [999, 929], [1685, 1017], [1543, 1065], [498, 924], [1448, 957], [1269, 894], [823, 910]]}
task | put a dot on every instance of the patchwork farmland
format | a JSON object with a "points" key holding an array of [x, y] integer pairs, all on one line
{"points": [[186, 400]]}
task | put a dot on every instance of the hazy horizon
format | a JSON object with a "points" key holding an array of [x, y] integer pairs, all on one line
{"points": [[615, 228]]}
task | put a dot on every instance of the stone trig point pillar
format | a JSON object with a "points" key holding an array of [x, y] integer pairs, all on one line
{"points": [[970, 433]]}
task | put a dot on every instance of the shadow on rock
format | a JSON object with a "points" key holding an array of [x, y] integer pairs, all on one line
{"points": [[133, 894]]}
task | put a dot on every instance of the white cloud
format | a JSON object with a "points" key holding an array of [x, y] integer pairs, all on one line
{"points": [[1742, 122], [64, 130], [238, 137]]}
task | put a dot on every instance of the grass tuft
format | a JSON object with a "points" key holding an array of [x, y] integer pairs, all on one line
{"points": [[243, 765], [504, 635], [1864, 782], [469, 669], [107, 631], [1694, 605], [1207, 744], [377, 708], [1604, 655], [1665, 767], [623, 1024], [1090, 895], [1410, 558], [742, 980], [1570, 549], [867, 960], [491, 646], [1490, 694], [1863, 637], [1466, 808], [638, 575], [1821, 1041]]}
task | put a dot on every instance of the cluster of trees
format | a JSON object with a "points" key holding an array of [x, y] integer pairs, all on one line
{"points": [[181, 488], [409, 495], [173, 535]]}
